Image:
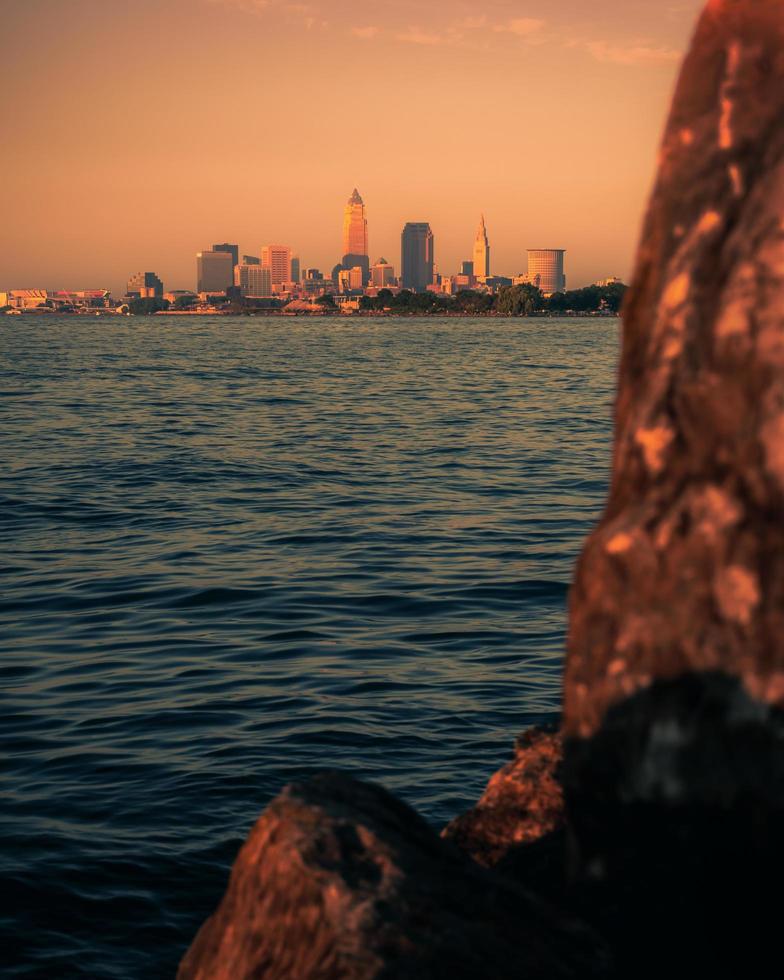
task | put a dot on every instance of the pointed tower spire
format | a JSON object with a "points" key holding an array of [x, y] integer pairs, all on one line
{"points": [[481, 251]]}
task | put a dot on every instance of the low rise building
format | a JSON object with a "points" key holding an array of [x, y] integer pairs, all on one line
{"points": [[382, 274], [181, 296], [27, 299], [144, 285], [253, 280], [93, 299]]}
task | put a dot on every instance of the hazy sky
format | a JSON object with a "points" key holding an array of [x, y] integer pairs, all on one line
{"points": [[137, 132]]}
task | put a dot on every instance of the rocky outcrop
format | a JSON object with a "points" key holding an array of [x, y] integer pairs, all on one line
{"points": [[523, 802], [340, 881], [686, 571], [674, 686]]}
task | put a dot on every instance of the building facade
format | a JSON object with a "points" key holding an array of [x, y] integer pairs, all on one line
{"points": [[251, 260], [233, 251], [355, 236], [144, 285], [382, 274], [277, 258], [296, 269], [417, 254], [214, 271], [546, 270], [253, 280], [481, 252], [355, 227]]}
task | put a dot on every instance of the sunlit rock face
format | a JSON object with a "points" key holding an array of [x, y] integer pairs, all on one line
{"points": [[674, 735], [686, 571], [340, 881], [523, 802]]}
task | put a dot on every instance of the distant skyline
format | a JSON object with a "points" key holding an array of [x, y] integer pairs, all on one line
{"points": [[138, 135]]}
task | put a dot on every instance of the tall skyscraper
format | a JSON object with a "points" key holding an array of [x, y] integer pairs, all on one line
{"points": [[233, 250], [355, 236], [296, 269], [481, 251], [417, 256], [277, 258], [214, 271], [145, 285], [546, 269], [253, 280]]}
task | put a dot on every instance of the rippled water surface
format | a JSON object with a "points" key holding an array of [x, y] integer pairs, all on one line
{"points": [[235, 551]]}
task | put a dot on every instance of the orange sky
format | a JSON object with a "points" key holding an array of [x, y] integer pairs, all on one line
{"points": [[137, 133]]}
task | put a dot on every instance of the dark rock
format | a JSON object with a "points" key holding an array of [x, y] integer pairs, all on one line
{"points": [[340, 880], [676, 813], [522, 803]]}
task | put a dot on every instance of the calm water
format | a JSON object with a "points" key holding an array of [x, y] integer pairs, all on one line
{"points": [[235, 551]]}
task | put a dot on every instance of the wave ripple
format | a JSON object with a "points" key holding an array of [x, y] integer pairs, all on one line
{"points": [[239, 551]]}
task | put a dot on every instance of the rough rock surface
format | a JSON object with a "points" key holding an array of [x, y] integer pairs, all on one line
{"points": [[674, 750], [340, 881], [523, 802], [686, 571]]}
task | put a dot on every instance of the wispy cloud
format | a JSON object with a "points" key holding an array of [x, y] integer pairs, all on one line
{"points": [[245, 6], [415, 35], [521, 26], [305, 14], [365, 32], [631, 53], [467, 32]]}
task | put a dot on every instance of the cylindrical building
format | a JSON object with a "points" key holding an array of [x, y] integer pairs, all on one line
{"points": [[546, 269]]}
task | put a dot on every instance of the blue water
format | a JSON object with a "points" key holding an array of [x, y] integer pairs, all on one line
{"points": [[235, 551]]}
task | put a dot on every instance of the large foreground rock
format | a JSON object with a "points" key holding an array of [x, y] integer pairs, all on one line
{"points": [[340, 881], [674, 750], [686, 570]]}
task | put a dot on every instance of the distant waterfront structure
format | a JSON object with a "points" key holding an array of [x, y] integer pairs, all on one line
{"points": [[253, 280], [382, 274], [214, 271], [233, 250], [277, 258], [481, 251], [251, 260], [183, 296], [144, 285], [31, 299], [355, 236], [417, 256], [546, 270], [296, 269], [610, 281]]}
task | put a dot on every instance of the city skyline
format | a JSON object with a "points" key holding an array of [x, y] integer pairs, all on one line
{"points": [[556, 147]]}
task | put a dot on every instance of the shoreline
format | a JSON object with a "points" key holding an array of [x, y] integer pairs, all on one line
{"points": [[326, 315]]}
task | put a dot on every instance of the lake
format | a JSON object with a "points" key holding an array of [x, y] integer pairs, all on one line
{"points": [[239, 550]]}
